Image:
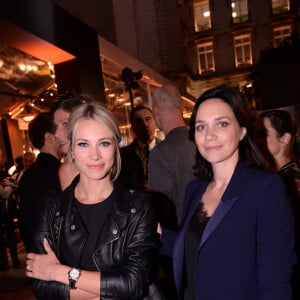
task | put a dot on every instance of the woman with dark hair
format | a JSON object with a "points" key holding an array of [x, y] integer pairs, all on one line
{"points": [[236, 237], [96, 239], [61, 111], [278, 133]]}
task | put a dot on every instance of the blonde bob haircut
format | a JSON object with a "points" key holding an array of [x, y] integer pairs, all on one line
{"points": [[96, 112]]}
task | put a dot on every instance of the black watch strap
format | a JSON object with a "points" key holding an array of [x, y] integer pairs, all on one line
{"points": [[72, 284]]}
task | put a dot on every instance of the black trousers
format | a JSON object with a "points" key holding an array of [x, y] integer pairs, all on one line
{"points": [[8, 236]]}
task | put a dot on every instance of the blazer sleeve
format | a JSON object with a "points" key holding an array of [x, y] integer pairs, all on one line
{"points": [[275, 242]]}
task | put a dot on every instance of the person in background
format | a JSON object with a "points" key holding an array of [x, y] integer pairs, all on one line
{"points": [[7, 228], [171, 161], [17, 167], [135, 156], [96, 239], [40, 177], [170, 168], [61, 111], [277, 138], [9, 212], [28, 158], [236, 237]]}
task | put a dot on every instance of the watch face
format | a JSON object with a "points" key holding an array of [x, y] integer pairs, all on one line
{"points": [[74, 273]]}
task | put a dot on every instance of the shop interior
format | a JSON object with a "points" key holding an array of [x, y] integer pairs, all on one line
{"points": [[28, 86]]}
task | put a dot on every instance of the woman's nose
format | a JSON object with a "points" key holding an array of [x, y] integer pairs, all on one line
{"points": [[95, 153], [210, 133]]}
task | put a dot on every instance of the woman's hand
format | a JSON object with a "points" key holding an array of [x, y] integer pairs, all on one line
{"points": [[42, 266], [47, 267], [159, 229]]}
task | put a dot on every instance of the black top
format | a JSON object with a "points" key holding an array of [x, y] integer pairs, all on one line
{"points": [[93, 217], [132, 169], [40, 178], [193, 237]]}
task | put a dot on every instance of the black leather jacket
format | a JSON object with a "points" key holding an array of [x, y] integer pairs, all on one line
{"points": [[127, 249]]}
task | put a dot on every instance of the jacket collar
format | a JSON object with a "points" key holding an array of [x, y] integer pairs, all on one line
{"points": [[122, 203]]}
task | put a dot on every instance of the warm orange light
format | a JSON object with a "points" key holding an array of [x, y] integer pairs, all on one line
{"points": [[28, 118]]}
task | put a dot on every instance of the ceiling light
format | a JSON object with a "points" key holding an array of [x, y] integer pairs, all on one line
{"points": [[28, 118]]}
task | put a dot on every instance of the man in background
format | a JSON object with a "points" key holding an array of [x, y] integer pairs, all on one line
{"points": [[170, 169], [28, 158], [135, 156], [41, 177], [171, 162]]}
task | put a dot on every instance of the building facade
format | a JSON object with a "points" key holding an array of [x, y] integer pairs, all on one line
{"points": [[223, 40], [198, 44]]}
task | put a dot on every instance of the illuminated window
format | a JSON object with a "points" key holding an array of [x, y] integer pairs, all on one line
{"points": [[205, 58], [239, 10], [280, 6], [281, 34], [202, 15], [243, 52]]}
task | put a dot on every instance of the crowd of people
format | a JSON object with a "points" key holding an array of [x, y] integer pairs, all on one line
{"points": [[210, 212]]}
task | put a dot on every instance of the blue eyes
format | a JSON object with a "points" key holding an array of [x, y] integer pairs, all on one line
{"points": [[105, 144], [81, 144], [101, 144]]}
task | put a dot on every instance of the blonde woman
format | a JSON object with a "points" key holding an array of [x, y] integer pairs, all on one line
{"points": [[96, 239]]}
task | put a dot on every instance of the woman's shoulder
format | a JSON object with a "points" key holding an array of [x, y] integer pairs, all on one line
{"points": [[252, 178], [127, 197], [59, 197], [290, 170], [261, 175], [196, 184], [66, 173], [51, 203]]}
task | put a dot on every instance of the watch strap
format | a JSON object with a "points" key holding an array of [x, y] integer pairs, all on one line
{"points": [[72, 284]]}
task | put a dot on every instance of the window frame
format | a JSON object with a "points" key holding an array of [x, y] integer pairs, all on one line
{"points": [[279, 39], [207, 54], [280, 6], [242, 45], [206, 24], [242, 6]]}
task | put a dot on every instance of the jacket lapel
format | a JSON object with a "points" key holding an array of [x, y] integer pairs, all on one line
{"points": [[220, 212], [229, 198]]}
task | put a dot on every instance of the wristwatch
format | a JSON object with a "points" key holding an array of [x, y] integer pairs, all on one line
{"points": [[73, 275]]}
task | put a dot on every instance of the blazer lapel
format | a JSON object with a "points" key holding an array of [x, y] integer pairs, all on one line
{"points": [[229, 198], [220, 212]]}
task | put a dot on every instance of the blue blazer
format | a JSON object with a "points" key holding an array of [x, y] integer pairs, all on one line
{"points": [[246, 251]]}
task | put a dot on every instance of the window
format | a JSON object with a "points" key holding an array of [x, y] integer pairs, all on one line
{"points": [[239, 10], [242, 48], [205, 58], [280, 6], [202, 16], [281, 34]]}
